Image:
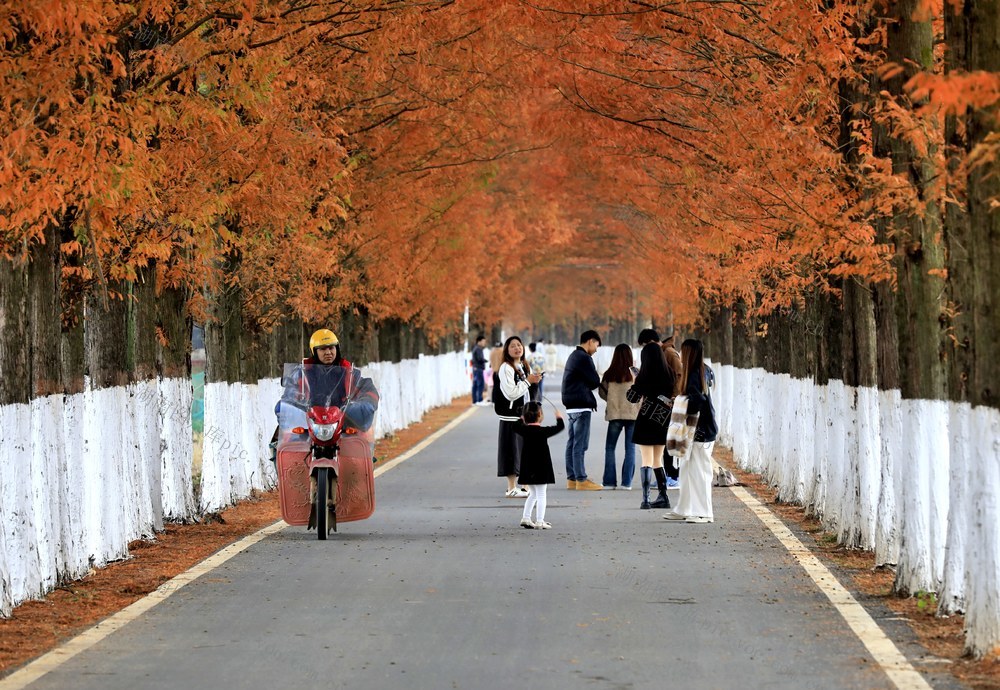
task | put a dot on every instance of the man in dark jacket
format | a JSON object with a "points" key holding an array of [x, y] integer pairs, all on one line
{"points": [[579, 381], [478, 370]]}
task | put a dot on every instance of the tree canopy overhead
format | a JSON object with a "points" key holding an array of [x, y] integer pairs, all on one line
{"points": [[408, 158]]}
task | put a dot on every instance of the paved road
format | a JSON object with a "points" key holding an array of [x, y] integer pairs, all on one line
{"points": [[442, 589]]}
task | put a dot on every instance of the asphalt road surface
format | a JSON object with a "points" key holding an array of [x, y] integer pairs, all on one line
{"points": [[441, 588]]}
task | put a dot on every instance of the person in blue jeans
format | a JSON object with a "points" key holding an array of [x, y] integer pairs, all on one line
{"points": [[620, 416], [478, 370], [579, 381]]}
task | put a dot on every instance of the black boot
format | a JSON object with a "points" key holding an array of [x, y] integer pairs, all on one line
{"points": [[646, 476], [661, 484]]}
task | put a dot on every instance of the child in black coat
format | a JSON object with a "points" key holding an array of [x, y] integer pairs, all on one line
{"points": [[536, 462]]}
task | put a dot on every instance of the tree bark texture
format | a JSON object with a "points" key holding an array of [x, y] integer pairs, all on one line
{"points": [[105, 337], [173, 327], [984, 218], [15, 335], [44, 277], [919, 252]]}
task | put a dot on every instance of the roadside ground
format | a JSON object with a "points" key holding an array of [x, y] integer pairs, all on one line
{"points": [[39, 626]]}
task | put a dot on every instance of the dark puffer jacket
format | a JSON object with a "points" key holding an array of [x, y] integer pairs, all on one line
{"points": [[579, 381]]}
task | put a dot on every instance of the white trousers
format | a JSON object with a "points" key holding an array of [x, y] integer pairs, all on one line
{"points": [[696, 482], [536, 500]]}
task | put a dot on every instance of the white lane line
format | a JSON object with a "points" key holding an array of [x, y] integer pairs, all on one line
{"points": [[885, 653], [88, 638]]}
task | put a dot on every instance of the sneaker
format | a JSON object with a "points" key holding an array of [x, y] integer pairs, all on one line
{"points": [[516, 492], [541, 524], [694, 520], [674, 516], [609, 488], [673, 483], [526, 523], [625, 488], [571, 484], [587, 485]]}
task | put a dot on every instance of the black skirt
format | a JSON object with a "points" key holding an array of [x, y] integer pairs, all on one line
{"points": [[509, 446]]}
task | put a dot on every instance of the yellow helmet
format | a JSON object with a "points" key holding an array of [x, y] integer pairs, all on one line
{"points": [[324, 337]]}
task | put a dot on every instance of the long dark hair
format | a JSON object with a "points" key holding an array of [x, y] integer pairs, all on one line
{"points": [[655, 376], [693, 363], [621, 360], [510, 360]]}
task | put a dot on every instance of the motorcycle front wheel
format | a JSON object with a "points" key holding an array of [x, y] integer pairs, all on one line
{"points": [[322, 489]]}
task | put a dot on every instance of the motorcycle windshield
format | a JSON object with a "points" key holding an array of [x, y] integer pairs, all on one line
{"points": [[306, 385]]}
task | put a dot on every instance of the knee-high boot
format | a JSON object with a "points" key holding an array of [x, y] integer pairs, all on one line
{"points": [[646, 476], [661, 484]]}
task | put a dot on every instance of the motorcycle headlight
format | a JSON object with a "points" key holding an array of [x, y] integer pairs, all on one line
{"points": [[324, 432]]}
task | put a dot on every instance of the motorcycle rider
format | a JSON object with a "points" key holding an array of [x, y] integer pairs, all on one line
{"points": [[320, 378], [325, 349]]}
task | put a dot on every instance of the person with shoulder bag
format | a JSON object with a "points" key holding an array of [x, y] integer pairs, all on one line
{"points": [[695, 502], [655, 383], [620, 415], [512, 383]]}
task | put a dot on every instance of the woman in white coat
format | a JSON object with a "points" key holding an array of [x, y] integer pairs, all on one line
{"points": [[695, 502], [511, 385]]}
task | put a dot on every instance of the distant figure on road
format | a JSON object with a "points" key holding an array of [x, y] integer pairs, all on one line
{"points": [[496, 357], [620, 415], [695, 502], [536, 462], [537, 361], [551, 357], [580, 379], [654, 379], [478, 370]]}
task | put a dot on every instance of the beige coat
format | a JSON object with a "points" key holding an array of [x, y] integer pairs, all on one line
{"points": [[618, 406]]}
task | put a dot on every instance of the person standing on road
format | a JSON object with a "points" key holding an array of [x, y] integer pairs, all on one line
{"points": [[654, 379], [695, 502], [580, 378], [620, 415], [478, 370], [536, 358], [536, 462], [496, 357], [511, 385]]}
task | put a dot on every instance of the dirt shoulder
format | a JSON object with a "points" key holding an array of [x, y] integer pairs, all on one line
{"points": [[39, 626]]}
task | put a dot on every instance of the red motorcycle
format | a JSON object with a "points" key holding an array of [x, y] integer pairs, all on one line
{"points": [[325, 446]]}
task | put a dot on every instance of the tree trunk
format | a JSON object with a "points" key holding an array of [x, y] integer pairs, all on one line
{"points": [[984, 218], [142, 319], [223, 333], [105, 337], [859, 335], [44, 278], [15, 336], [173, 325]]}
